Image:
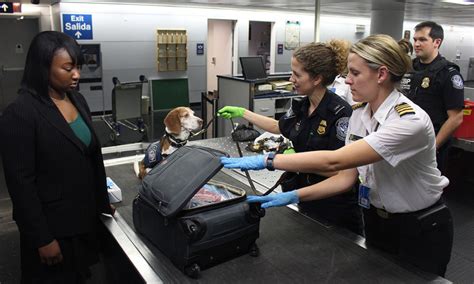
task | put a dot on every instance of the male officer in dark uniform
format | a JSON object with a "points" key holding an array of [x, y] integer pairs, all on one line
{"points": [[435, 85]]}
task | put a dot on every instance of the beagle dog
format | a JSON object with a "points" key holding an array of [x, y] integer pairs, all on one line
{"points": [[180, 123]]}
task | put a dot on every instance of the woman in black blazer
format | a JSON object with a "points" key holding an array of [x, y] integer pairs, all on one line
{"points": [[53, 165]]}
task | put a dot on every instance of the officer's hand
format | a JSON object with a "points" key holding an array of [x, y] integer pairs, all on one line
{"points": [[50, 254], [245, 163], [275, 200], [231, 112]]}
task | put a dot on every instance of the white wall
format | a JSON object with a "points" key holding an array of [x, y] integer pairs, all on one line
{"points": [[334, 26], [43, 12], [127, 34], [56, 17]]}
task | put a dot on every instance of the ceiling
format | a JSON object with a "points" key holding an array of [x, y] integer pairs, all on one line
{"points": [[415, 10]]}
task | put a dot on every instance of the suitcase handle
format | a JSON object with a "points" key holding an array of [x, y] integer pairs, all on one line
{"points": [[193, 229]]}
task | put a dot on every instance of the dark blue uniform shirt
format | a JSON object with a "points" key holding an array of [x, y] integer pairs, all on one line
{"points": [[324, 129], [436, 87]]}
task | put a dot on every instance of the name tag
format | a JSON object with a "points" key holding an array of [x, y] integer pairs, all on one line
{"points": [[364, 200], [353, 137]]}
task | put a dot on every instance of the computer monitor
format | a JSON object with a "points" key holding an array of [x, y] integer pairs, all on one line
{"points": [[253, 68]]}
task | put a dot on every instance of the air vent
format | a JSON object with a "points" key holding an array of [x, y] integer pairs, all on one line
{"points": [[360, 29]]}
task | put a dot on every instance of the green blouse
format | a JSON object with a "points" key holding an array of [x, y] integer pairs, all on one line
{"points": [[81, 130]]}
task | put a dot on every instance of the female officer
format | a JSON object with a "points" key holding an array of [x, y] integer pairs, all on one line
{"points": [[317, 122], [53, 165], [406, 46], [390, 147]]}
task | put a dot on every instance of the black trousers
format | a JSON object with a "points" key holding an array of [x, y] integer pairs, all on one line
{"points": [[442, 156], [425, 243], [341, 210], [79, 253]]}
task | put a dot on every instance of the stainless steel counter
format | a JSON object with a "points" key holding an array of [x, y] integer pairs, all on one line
{"points": [[467, 144], [294, 248]]}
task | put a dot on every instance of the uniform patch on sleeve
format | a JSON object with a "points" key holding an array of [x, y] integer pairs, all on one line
{"points": [[457, 82], [341, 128], [152, 155], [404, 109]]}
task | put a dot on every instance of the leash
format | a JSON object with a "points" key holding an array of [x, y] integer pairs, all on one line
{"points": [[247, 174], [204, 129]]}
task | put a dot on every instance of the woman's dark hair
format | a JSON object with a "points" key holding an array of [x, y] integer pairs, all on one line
{"points": [[325, 59], [406, 46], [40, 56], [436, 31]]}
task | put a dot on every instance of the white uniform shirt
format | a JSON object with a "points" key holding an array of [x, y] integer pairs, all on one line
{"points": [[407, 179], [340, 88]]}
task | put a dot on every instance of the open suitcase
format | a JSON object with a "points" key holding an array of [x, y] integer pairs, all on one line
{"points": [[179, 211]]}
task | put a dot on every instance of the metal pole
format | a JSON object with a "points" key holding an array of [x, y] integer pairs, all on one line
{"points": [[317, 12]]}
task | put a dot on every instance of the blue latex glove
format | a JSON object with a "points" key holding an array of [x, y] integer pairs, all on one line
{"points": [[275, 200], [245, 163]]}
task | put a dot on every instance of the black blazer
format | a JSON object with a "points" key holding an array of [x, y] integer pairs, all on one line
{"points": [[56, 183]]}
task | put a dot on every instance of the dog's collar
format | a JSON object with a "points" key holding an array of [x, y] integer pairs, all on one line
{"points": [[175, 142]]}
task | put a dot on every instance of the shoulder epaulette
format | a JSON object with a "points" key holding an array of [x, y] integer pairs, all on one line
{"points": [[358, 105], [404, 109]]}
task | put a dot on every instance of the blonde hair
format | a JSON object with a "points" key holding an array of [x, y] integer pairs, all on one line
{"points": [[380, 50], [325, 59]]}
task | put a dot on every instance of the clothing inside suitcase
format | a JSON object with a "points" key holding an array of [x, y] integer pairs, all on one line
{"points": [[214, 192], [193, 212]]}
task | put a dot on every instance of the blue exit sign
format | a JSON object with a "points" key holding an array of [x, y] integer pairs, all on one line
{"points": [[78, 26]]}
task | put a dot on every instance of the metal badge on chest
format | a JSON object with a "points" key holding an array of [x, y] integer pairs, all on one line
{"points": [[322, 127], [425, 83]]}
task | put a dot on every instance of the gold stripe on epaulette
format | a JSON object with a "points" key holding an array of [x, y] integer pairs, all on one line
{"points": [[404, 109], [358, 105]]}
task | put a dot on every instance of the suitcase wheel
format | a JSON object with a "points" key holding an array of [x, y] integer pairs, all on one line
{"points": [[254, 250], [193, 270]]}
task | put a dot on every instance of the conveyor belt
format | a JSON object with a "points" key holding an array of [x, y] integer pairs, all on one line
{"points": [[293, 249]]}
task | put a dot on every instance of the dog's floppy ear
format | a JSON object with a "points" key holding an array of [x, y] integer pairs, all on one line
{"points": [[172, 121]]}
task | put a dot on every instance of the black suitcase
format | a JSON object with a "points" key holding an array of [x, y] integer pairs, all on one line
{"points": [[200, 237]]}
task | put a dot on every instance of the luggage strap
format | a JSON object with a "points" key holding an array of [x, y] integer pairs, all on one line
{"points": [[247, 174]]}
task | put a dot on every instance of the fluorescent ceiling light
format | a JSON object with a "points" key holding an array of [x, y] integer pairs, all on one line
{"points": [[460, 2]]}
